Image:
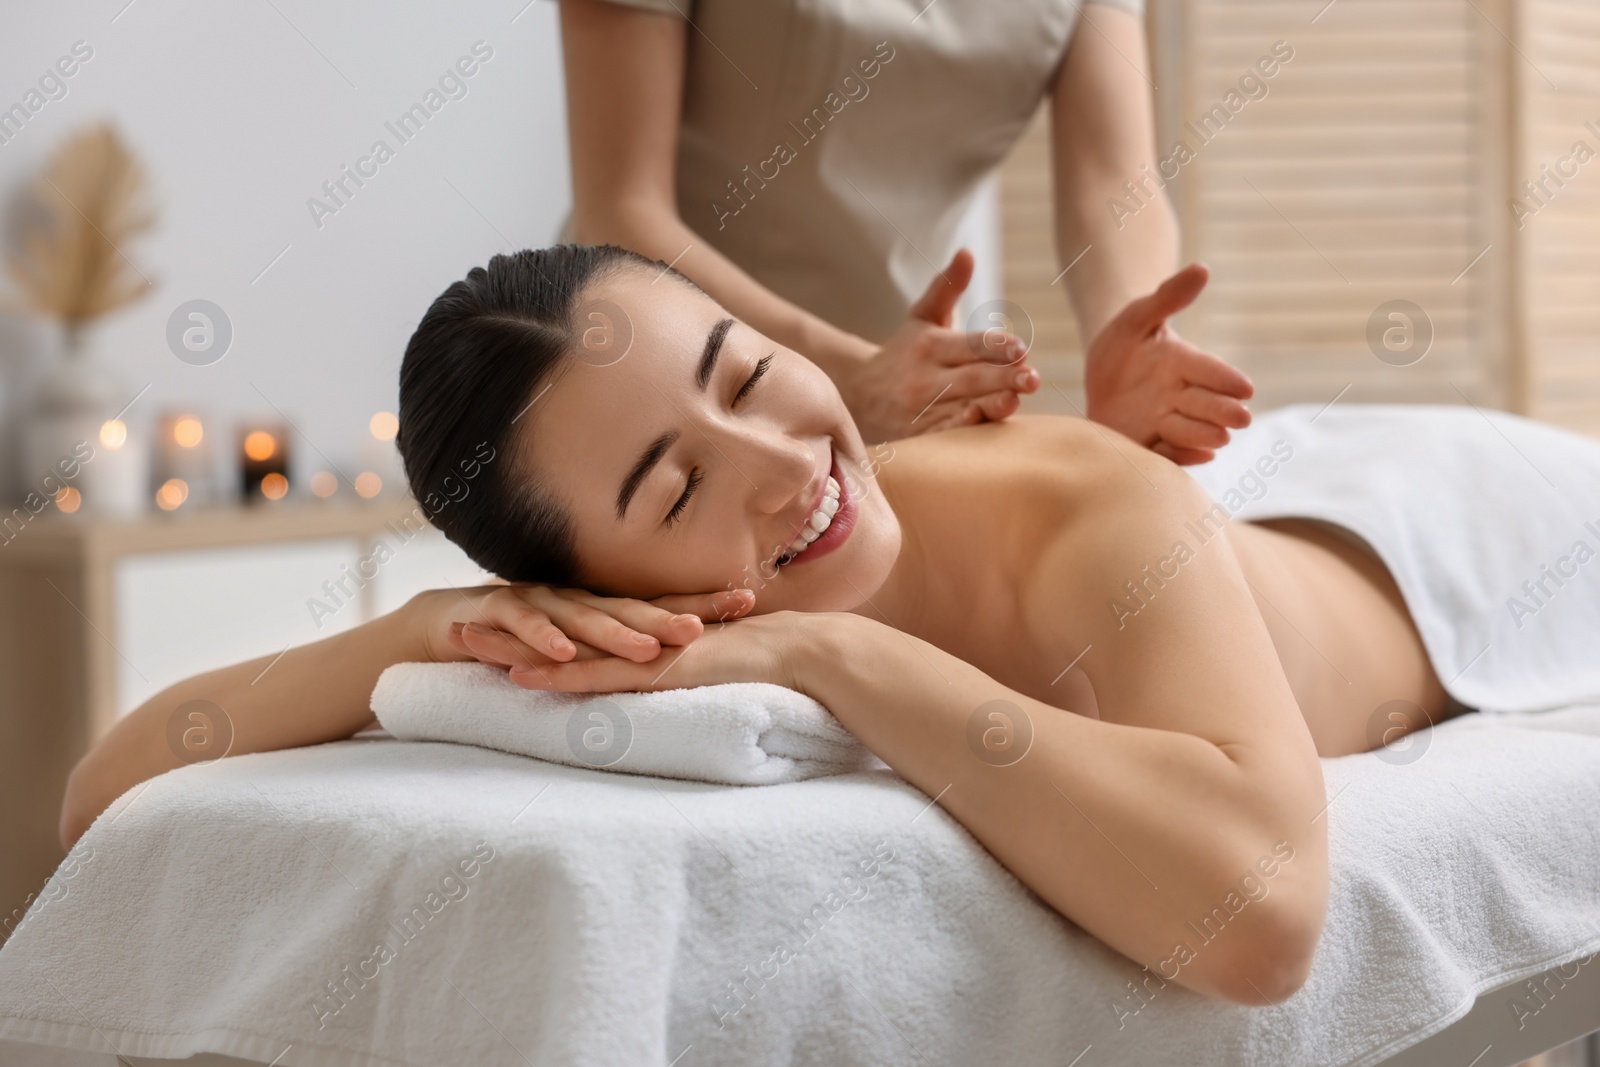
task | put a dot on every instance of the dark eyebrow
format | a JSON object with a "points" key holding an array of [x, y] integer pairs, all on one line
{"points": [[658, 448], [647, 459], [708, 361]]}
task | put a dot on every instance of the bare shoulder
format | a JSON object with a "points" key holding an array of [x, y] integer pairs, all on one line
{"points": [[1027, 431], [1069, 454], [1142, 575]]}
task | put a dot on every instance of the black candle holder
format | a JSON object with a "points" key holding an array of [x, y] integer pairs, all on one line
{"points": [[263, 462]]}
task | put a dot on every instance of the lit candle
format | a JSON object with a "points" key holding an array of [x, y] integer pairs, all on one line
{"points": [[184, 472], [172, 494], [324, 484], [114, 483], [264, 462], [381, 469]]}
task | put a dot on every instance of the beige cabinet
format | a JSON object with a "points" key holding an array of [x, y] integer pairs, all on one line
{"points": [[98, 615]]}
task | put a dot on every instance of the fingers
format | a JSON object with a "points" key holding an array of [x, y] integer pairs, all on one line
{"points": [[1203, 404], [1198, 425], [948, 416], [976, 393], [651, 619], [507, 611], [993, 342], [550, 621], [938, 302], [494, 647], [1145, 313], [531, 627], [992, 407], [605, 674], [993, 347], [1181, 431], [458, 641], [623, 628], [980, 379], [1183, 456], [709, 607], [1218, 375]]}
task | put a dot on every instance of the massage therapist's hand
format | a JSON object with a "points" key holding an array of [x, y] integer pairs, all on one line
{"points": [[931, 377], [529, 626], [1145, 381]]}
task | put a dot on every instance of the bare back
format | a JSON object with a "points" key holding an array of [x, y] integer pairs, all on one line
{"points": [[991, 502]]}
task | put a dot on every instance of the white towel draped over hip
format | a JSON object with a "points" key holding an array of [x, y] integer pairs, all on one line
{"points": [[1489, 522]]}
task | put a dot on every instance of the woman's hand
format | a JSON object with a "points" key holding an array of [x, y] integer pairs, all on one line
{"points": [[1145, 381], [929, 376], [752, 649], [529, 627]]}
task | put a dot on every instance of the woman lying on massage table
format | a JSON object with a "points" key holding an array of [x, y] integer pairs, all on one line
{"points": [[585, 419]]}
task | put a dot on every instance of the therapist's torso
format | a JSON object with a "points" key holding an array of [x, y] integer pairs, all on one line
{"points": [[830, 148]]}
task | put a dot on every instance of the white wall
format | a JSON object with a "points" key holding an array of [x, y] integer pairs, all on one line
{"points": [[239, 114]]}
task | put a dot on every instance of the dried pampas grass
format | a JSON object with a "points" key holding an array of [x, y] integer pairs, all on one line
{"points": [[82, 212]]}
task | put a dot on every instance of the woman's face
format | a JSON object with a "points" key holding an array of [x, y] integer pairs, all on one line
{"points": [[691, 453]]}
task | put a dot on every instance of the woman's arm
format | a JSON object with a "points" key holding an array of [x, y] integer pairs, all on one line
{"points": [[625, 77], [321, 691], [314, 693], [1153, 387], [1133, 832]]}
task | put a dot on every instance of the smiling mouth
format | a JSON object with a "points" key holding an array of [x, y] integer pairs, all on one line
{"points": [[828, 526]]}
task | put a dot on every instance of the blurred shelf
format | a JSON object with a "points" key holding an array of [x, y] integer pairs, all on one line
{"points": [[52, 536], [59, 637]]}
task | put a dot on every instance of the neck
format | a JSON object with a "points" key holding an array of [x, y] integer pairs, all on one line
{"points": [[901, 600]]}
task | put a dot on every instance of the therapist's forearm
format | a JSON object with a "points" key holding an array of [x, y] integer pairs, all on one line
{"points": [[1124, 260], [311, 694], [656, 231]]}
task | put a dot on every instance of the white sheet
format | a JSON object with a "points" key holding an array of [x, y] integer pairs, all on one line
{"points": [[1489, 522], [217, 902]]}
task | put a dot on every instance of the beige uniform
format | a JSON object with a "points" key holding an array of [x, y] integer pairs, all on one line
{"points": [[830, 148]]}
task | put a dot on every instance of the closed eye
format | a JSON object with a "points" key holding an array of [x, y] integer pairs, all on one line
{"points": [[761, 368], [695, 476], [683, 501]]}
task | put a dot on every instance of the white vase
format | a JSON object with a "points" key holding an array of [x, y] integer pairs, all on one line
{"points": [[64, 444]]}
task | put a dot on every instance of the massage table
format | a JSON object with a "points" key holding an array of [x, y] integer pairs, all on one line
{"points": [[630, 920], [381, 902]]}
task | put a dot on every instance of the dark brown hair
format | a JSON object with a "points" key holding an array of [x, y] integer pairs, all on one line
{"points": [[475, 362]]}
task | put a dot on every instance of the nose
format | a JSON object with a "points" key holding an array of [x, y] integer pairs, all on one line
{"points": [[777, 465]]}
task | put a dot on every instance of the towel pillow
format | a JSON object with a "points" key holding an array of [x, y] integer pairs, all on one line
{"points": [[742, 733]]}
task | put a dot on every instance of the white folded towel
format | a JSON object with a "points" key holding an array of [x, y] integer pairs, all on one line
{"points": [[743, 733]]}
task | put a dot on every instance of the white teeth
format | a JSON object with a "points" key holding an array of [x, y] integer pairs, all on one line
{"points": [[817, 524]]}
